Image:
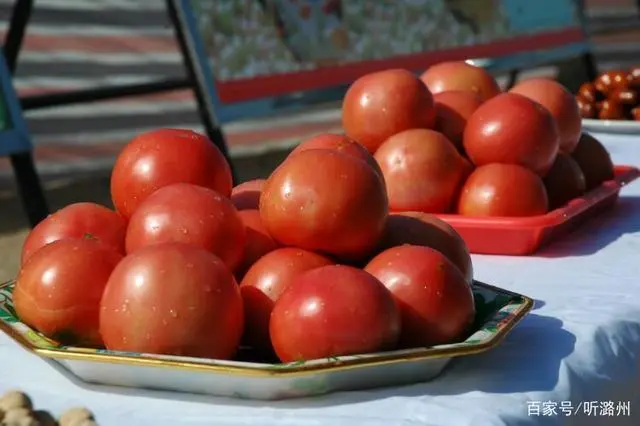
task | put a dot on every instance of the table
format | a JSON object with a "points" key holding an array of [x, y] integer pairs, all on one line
{"points": [[581, 344]]}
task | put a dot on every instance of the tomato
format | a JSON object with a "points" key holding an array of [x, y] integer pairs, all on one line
{"points": [[58, 289], [340, 143], [560, 103], [503, 190], [594, 161], [434, 298], [162, 157], [422, 229], [257, 242], [423, 171], [381, 104], [263, 284], [453, 109], [246, 196], [76, 221], [172, 299], [454, 75], [322, 200], [512, 129], [564, 182], [190, 214], [331, 311]]}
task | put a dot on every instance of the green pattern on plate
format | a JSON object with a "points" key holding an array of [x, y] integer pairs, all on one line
{"points": [[495, 309]]}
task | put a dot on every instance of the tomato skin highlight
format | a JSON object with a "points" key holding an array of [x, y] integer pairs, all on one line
{"points": [[58, 289], [264, 283], [422, 171], [460, 76], [505, 190], [341, 143], [172, 299], [190, 214], [340, 211], [433, 296], [423, 229], [75, 221], [331, 311], [380, 104], [163, 157], [512, 129]]}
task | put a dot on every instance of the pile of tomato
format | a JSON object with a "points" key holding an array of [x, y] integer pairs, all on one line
{"points": [[337, 252]]}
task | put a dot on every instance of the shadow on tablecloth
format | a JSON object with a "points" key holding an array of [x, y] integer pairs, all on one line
{"points": [[527, 360], [599, 232]]}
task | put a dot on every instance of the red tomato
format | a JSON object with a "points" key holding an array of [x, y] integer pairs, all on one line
{"points": [[512, 129], [322, 200], [163, 157], [246, 196], [594, 161], [190, 214], [448, 76], [503, 190], [435, 300], [381, 104], [263, 284], [76, 221], [453, 109], [58, 289], [257, 242], [331, 311], [422, 229], [560, 103], [423, 171], [564, 182], [340, 143], [172, 299]]}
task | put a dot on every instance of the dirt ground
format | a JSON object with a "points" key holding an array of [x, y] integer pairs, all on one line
{"points": [[64, 190]]}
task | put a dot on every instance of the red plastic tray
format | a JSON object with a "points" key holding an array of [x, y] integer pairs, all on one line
{"points": [[524, 235]]}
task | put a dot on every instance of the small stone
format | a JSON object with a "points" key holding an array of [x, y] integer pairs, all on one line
{"points": [[84, 422], [74, 416], [19, 417], [15, 399]]}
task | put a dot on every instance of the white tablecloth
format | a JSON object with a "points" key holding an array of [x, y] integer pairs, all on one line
{"points": [[579, 348]]}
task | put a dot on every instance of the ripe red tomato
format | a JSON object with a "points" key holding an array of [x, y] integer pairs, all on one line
{"points": [[190, 214], [331, 311], [594, 161], [257, 242], [503, 190], [512, 129], [423, 171], [340, 143], [162, 157], [58, 289], [246, 196], [434, 298], [564, 182], [322, 200], [560, 103], [453, 109], [263, 284], [172, 299], [381, 104], [76, 221], [422, 229], [458, 75]]}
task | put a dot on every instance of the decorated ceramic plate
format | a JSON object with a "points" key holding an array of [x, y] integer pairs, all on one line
{"points": [[498, 311], [622, 127]]}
